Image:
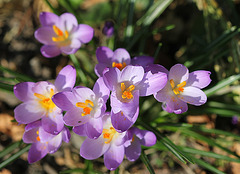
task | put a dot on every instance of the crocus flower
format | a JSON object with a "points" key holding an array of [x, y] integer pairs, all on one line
{"points": [[37, 103], [182, 88], [84, 107], [42, 141], [120, 58], [126, 86], [110, 144], [108, 28], [61, 34], [136, 138]]}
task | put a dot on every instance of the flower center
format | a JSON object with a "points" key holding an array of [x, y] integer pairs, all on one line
{"points": [[87, 106], [179, 88], [120, 66], [38, 138], [127, 92], [61, 37], [109, 134], [46, 102]]}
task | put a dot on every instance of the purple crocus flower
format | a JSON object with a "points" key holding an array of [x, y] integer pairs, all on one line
{"points": [[136, 138], [61, 34], [37, 103], [42, 141], [108, 28], [120, 58], [182, 88], [126, 86], [110, 144], [84, 107]]}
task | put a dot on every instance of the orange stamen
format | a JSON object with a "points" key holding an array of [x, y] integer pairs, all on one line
{"points": [[109, 134], [87, 106], [46, 102], [61, 36], [127, 93], [120, 66], [179, 88]]}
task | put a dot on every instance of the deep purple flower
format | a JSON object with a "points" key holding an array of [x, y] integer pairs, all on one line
{"points": [[182, 88], [61, 34], [136, 138], [110, 144], [108, 28], [42, 141], [126, 86], [37, 103], [84, 107], [120, 58]]}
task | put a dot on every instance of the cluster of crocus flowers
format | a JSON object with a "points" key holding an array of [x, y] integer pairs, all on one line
{"points": [[121, 79]]}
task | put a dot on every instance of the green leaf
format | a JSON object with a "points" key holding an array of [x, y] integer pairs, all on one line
{"points": [[15, 156], [209, 154], [79, 170], [222, 84], [207, 165], [145, 160], [10, 148], [154, 12], [6, 87]]}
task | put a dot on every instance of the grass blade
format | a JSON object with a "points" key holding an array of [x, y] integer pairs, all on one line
{"points": [[145, 160], [9, 149], [6, 87]]}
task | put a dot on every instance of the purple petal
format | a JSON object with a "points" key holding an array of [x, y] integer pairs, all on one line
{"points": [[142, 60], [67, 21], [44, 35], [73, 117], [152, 83], [28, 112], [84, 33], [114, 157], [23, 91], [80, 130], [37, 152], [178, 73], [50, 51], [75, 43], [94, 128], [99, 68], [104, 55], [100, 108], [133, 74], [55, 143], [53, 123], [101, 90], [68, 50], [66, 78], [155, 68], [93, 148], [111, 77], [121, 55], [199, 79], [48, 19], [45, 136], [66, 135], [134, 150], [165, 93], [83, 93], [43, 87], [30, 136], [33, 125], [129, 108], [147, 138], [121, 122], [175, 105], [64, 100], [194, 96]]}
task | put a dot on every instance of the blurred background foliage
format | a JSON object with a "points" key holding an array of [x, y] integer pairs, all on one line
{"points": [[201, 34]]}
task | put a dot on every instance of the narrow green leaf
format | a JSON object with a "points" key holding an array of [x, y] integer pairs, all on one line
{"points": [[154, 12], [207, 166], [116, 171], [222, 84], [51, 7], [130, 28], [9, 149], [209, 154], [15, 156], [145, 160], [6, 87]]}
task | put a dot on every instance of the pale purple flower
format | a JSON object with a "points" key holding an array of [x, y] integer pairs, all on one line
{"points": [[37, 100], [119, 58], [136, 138], [61, 34], [42, 141], [182, 88], [127, 86], [110, 144], [108, 28], [84, 107]]}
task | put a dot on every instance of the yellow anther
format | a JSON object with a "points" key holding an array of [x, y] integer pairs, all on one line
{"points": [[179, 88], [120, 66], [127, 93], [109, 134], [87, 106], [46, 102], [61, 36]]}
